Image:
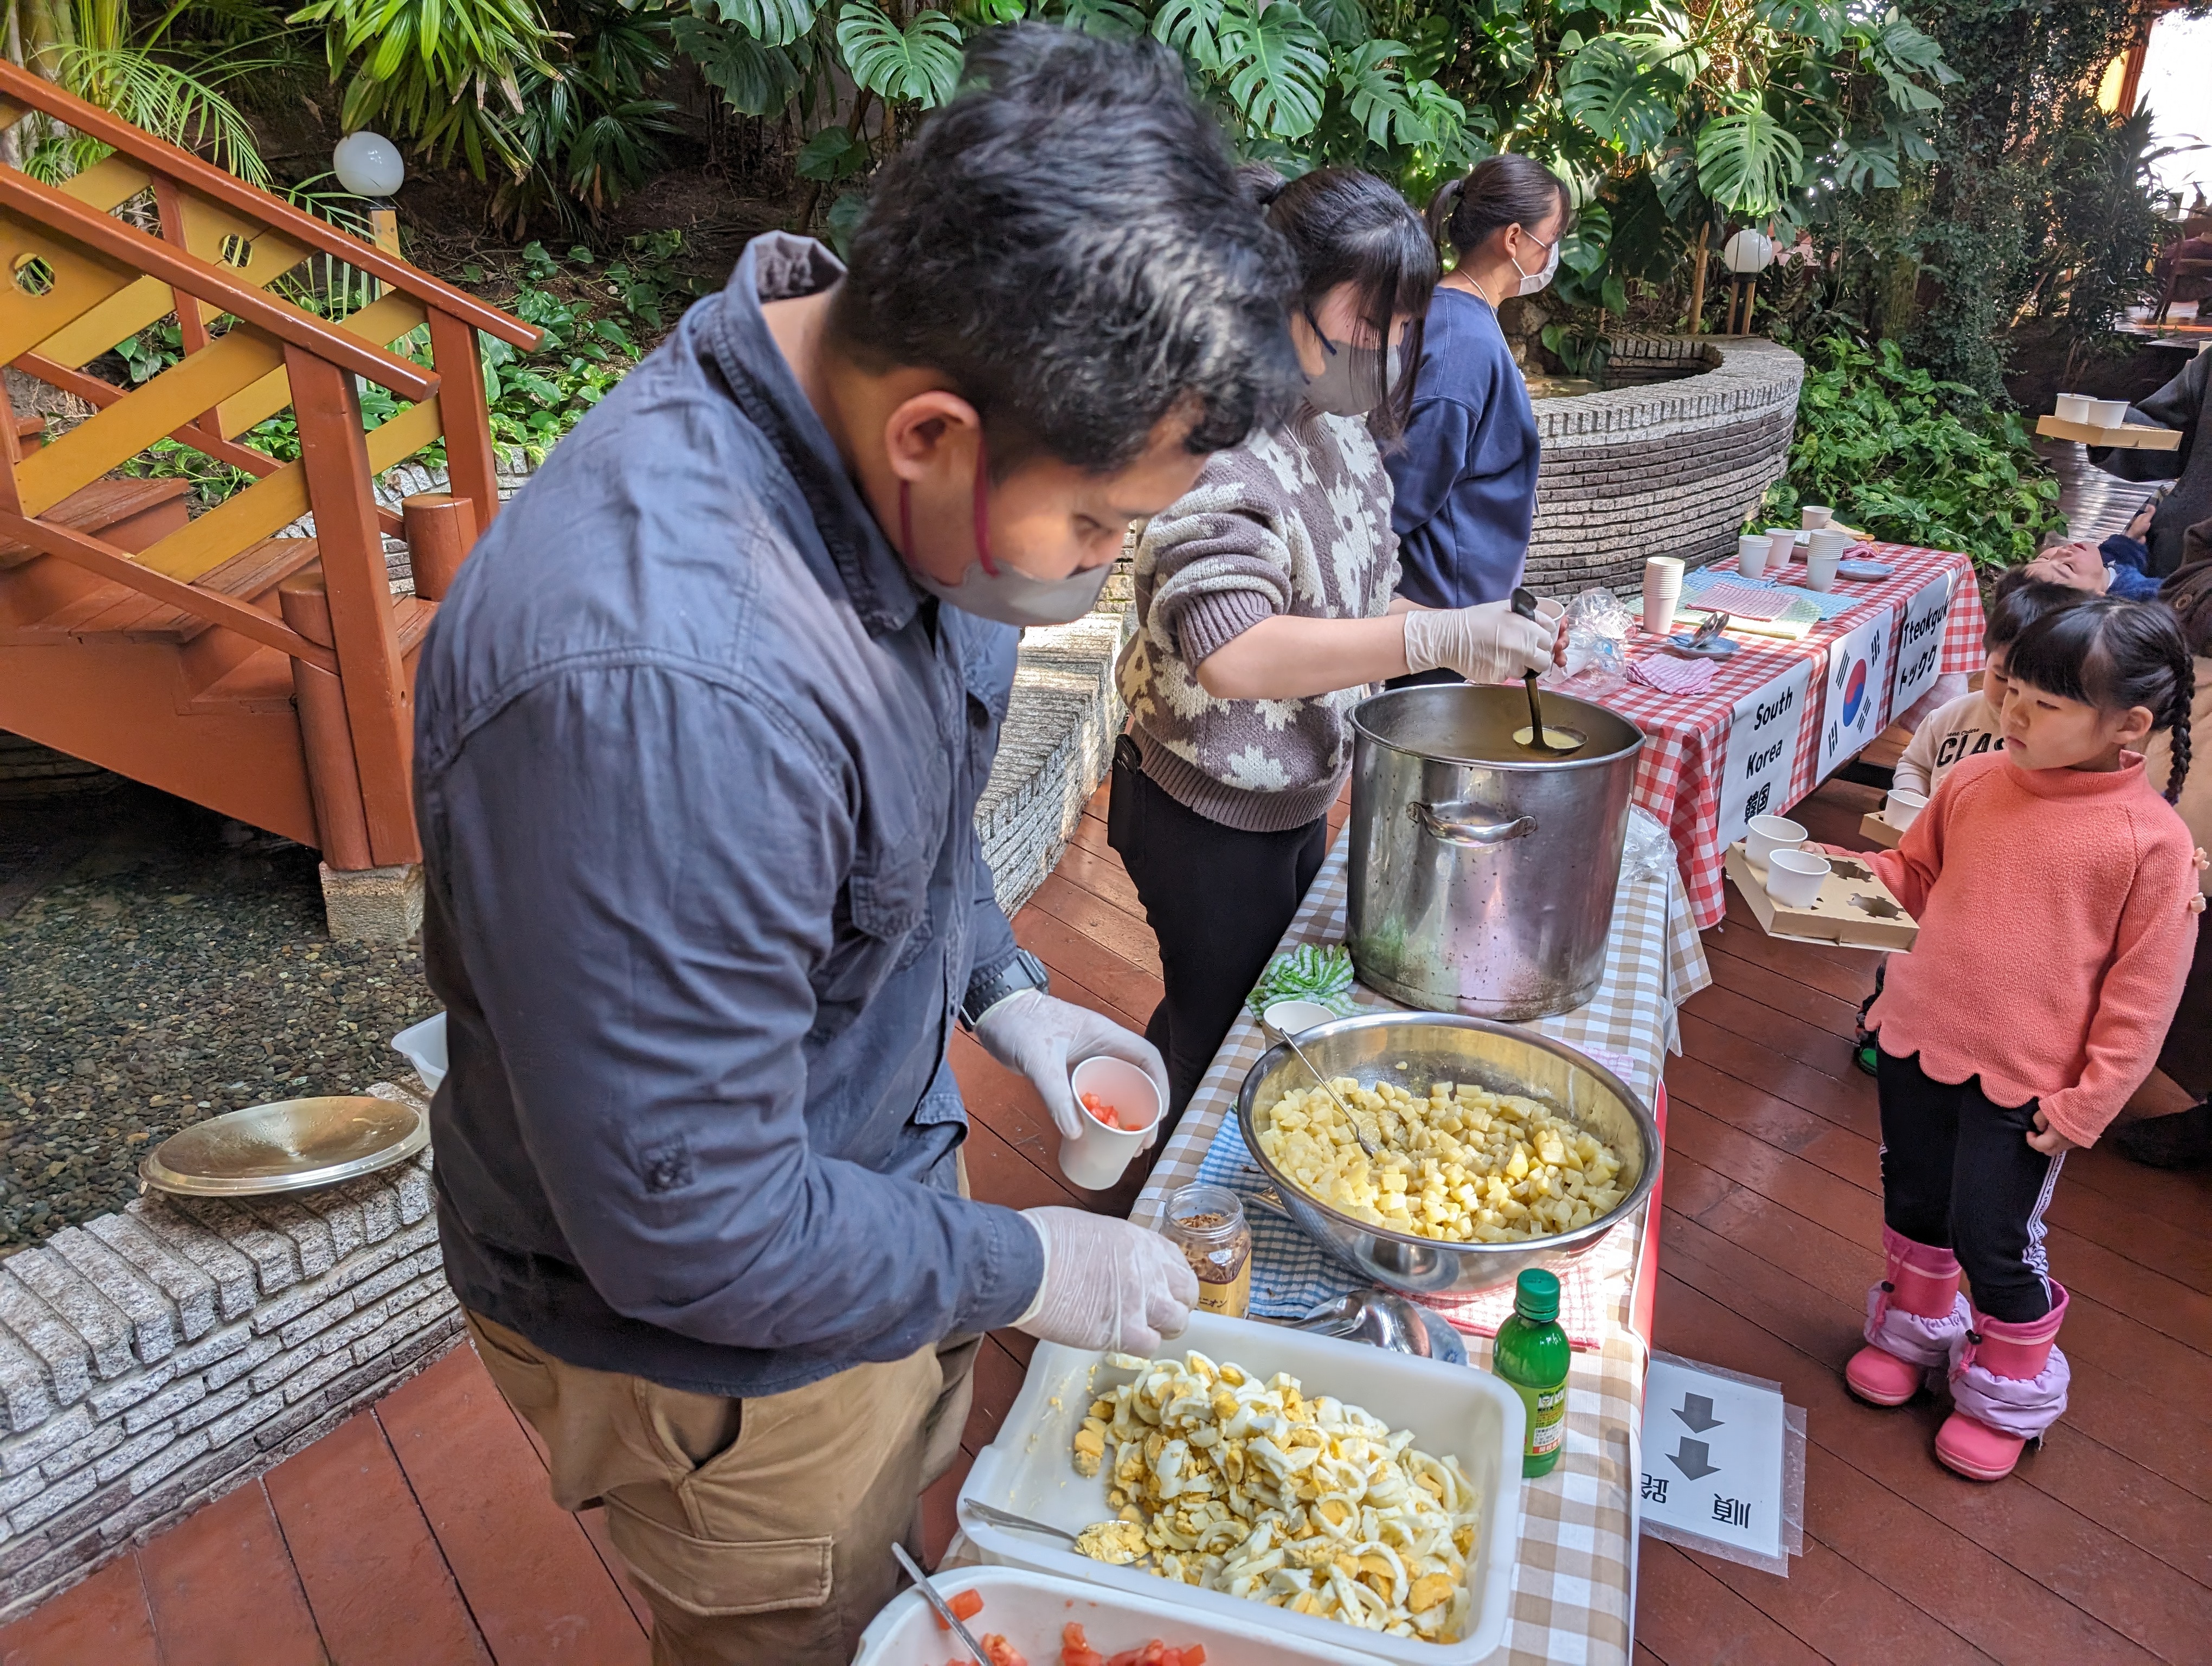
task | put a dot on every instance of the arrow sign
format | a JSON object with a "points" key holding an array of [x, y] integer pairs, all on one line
{"points": [[1689, 1457], [1696, 1411]]}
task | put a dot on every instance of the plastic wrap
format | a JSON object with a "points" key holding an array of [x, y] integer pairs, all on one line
{"points": [[1597, 629]]}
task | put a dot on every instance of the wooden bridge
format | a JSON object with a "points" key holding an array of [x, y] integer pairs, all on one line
{"points": [[267, 677]]}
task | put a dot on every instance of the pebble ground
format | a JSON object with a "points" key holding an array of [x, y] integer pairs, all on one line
{"points": [[177, 969]]}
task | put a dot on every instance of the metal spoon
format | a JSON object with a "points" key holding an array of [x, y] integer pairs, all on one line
{"points": [[943, 1609], [1382, 1319], [1357, 1133], [1537, 737], [998, 1517]]}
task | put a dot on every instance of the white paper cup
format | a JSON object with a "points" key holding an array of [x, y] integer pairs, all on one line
{"points": [[1903, 806], [1764, 835], [1096, 1161], [1815, 516], [1550, 609], [2074, 407], [1751, 555], [1663, 588], [1291, 1016], [1794, 877], [2107, 413], [1781, 544], [1828, 541], [1820, 570]]}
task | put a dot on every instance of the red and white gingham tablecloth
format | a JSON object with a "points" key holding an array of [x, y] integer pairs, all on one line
{"points": [[1678, 778]]}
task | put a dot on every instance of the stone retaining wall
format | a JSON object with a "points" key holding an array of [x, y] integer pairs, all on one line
{"points": [[1659, 467], [154, 1360]]}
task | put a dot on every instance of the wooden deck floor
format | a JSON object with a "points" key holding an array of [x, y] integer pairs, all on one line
{"points": [[420, 1533]]}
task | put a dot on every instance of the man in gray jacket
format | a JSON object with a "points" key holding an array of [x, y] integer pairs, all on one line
{"points": [[701, 730]]}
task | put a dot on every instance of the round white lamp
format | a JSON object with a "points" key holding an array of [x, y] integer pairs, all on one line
{"points": [[368, 164], [1746, 255]]}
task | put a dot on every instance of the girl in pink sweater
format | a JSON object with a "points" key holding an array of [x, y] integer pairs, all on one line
{"points": [[2056, 894]]}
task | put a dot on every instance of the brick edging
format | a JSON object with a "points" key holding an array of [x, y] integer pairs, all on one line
{"points": [[152, 1359]]}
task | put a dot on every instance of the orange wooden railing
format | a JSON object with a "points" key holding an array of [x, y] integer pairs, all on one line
{"points": [[80, 272]]}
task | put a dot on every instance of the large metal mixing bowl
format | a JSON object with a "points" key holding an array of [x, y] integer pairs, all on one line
{"points": [[1414, 1049]]}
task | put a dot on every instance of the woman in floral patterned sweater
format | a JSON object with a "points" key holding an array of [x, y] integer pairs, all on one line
{"points": [[1265, 611]]}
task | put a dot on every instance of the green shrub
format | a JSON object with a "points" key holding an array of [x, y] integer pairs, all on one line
{"points": [[1910, 459]]}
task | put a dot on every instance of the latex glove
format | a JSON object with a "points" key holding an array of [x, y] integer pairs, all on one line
{"points": [[1107, 1284], [1486, 643], [1044, 1038]]}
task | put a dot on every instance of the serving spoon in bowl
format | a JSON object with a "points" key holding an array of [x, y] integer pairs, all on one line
{"points": [[1537, 737], [1357, 1133]]}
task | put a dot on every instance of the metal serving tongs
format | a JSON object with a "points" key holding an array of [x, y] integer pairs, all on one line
{"points": [[930, 1595], [1357, 1133], [1537, 737]]}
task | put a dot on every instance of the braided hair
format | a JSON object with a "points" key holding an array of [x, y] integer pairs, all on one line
{"points": [[2114, 655]]}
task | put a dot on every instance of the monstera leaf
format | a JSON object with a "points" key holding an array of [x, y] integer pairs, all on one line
{"points": [[1192, 27], [833, 153], [1110, 20], [1344, 22], [1620, 97], [1375, 93], [1746, 158], [771, 22], [1277, 64], [755, 80], [919, 63]]}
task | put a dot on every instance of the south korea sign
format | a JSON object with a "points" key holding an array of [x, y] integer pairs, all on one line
{"points": [[1762, 750]]}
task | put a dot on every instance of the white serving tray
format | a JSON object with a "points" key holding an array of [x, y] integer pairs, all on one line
{"points": [[1029, 1609], [1450, 1409]]}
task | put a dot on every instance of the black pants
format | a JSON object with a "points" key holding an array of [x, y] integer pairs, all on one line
{"points": [[2187, 1054], [1957, 1172], [1218, 901]]}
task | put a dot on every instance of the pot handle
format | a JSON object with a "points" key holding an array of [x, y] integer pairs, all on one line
{"points": [[1454, 824]]}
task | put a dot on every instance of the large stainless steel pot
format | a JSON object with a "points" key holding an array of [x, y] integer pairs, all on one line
{"points": [[1482, 873], [1414, 1049]]}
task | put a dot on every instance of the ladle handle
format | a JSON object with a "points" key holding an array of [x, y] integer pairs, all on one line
{"points": [[1524, 603]]}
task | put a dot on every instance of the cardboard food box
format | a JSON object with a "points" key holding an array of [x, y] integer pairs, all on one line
{"points": [[1878, 831], [2131, 436], [1854, 909]]}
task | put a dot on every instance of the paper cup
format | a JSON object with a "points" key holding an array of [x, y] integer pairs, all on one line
{"points": [[2107, 413], [1291, 1016], [1821, 571], [1781, 544], [1550, 609], [2074, 407], [1815, 516], [1794, 877], [1903, 806], [1663, 588], [1751, 555], [1096, 1161], [1764, 835]]}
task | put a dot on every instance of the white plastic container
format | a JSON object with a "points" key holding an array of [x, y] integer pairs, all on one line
{"points": [[1764, 835], [2107, 413], [1903, 807], [1028, 1610], [1469, 1414], [424, 1044], [2074, 407], [1095, 1160]]}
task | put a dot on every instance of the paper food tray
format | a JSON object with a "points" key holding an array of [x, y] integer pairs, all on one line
{"points": [[1472, 1414], [1872, 827], [1834, 917], [1029, 1609], [2131, 436]]}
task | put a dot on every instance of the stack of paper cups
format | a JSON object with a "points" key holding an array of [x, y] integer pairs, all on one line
{"points": [[1663, 588]]}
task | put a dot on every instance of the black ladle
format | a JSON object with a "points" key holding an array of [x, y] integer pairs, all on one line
{"points": [[1536, 738]]}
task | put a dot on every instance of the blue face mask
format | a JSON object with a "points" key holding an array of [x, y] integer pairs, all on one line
{"points": [[1001, 594]]}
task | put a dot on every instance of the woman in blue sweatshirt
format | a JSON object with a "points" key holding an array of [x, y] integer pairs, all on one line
{"points": [[1465, 479]]}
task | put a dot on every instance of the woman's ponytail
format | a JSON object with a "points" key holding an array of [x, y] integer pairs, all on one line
{"points": [[1508, 189], [1440, 209]]}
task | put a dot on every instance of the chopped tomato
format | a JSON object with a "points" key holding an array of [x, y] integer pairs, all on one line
{"points": [[965, 1605], [999, 1652], [1104, 1112], [1075, 1649]]}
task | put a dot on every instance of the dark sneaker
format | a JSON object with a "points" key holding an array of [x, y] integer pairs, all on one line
{"points": [[1862, 1056], [2183, 1140]]}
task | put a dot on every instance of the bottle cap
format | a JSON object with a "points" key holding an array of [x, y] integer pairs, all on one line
{"points": [[1536, 1296]]}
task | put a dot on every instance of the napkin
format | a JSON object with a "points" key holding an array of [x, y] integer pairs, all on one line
{"points": [[1672, 676]]}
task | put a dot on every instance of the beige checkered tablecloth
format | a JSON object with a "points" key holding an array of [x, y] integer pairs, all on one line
{"points": [[1574, 1575]]}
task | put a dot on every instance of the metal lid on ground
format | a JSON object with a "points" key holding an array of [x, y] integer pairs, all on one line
{"points": [[290, 1145]]}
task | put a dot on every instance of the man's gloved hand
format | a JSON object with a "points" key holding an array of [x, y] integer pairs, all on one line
{"points": [[1487, 643], [1044, 1038], [1107, 1284]]}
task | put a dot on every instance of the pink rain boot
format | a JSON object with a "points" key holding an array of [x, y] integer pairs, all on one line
{"points": [[1914, 1316], [2008, 1385]]}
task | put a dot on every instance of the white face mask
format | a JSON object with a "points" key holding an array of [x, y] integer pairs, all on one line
{"points": [[1532, 282]]}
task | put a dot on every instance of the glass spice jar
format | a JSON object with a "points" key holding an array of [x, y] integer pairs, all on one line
{"points": [[1207, 1224]]}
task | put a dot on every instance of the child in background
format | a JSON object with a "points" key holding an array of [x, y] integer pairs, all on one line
{"points": [[1994, 1063], [1969, 724]]}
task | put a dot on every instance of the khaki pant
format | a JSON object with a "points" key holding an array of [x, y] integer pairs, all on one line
{"points": [[761, 1530]]}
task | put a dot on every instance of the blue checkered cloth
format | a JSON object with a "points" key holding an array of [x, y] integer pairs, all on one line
{"points": [[1291, 1274]]}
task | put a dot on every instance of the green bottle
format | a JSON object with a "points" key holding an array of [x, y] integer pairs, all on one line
{"points": [[1533, 1354]]}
